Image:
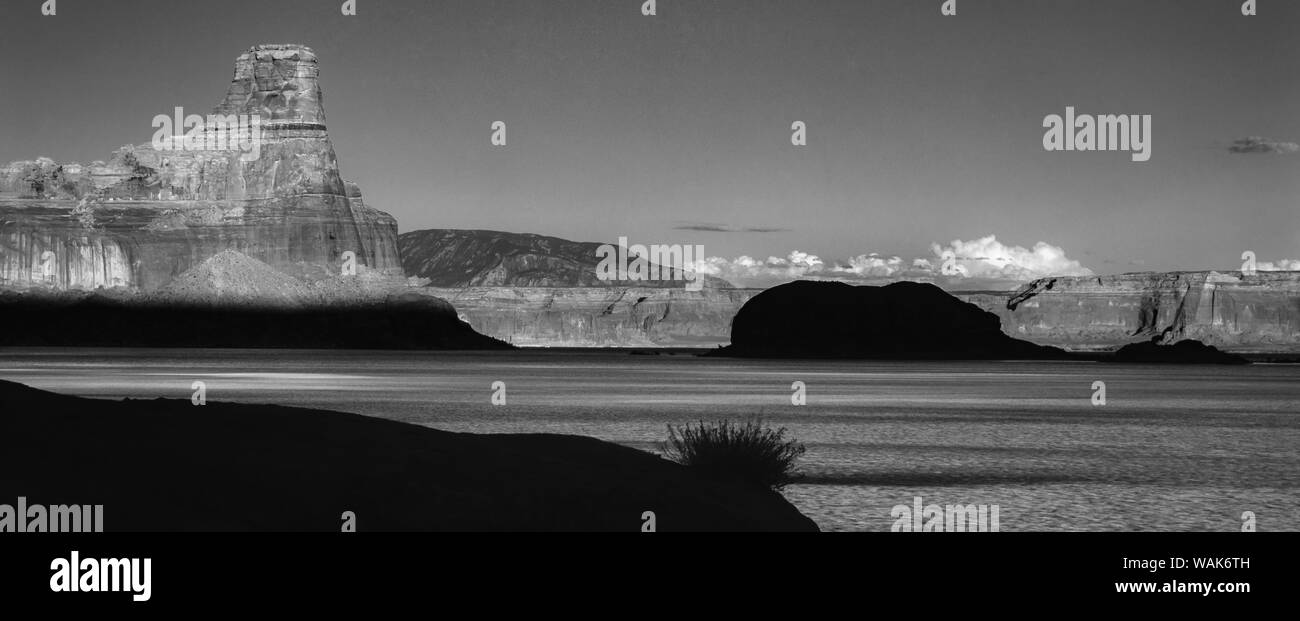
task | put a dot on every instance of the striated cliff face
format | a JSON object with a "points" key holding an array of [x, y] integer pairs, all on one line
{"points": [[1229, 310], [1259, 313], [599, 316], [534, 290], [149, 215]]}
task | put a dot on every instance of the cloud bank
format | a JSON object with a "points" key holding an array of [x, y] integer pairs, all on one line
{"points": [[1283, 265], [983, 263]]}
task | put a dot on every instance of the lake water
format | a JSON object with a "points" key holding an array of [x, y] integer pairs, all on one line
{"points": [[1173, 448]]}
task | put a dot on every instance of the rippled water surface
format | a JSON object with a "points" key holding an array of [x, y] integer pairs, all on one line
{"points": [[1174, 448]]}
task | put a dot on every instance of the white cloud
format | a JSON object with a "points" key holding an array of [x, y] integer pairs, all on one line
{"points": [[989, 258], [1284, 265], [870, 265], [745, 271]]}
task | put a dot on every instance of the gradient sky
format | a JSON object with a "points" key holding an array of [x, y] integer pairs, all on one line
{"points": [[921, 128]]}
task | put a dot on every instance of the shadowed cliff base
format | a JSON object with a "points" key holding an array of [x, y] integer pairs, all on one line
{"points": [[400, 321], [903, 321], [167, 465], [1182, 352]]}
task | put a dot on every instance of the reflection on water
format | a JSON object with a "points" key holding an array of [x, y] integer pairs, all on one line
{"points": [[1175, 448]]}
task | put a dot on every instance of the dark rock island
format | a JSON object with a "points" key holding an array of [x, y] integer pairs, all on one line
{"points": [[1182, 352], [903, 320]]}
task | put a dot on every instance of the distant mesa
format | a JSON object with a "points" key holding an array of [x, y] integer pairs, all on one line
{"points": [[1242, 313], [903, 320], [475, 258], [535, 290], [599, 316]]}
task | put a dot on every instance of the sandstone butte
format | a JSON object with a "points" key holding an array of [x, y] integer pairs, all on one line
{"points": [[147, 216]]}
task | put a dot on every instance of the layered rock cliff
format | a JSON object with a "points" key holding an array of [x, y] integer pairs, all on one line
{"points": [[599, 316], [534, 290], [150, 214], [1251, 314], [1229, 310]]}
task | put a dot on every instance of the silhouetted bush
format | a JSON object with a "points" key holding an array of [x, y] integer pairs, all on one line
{"points": [[750, 452]]}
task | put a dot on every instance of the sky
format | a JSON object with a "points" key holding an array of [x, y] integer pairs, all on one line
{"points": [[925, 132]]}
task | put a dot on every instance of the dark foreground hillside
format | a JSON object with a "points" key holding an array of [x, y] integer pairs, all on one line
{"points": [[168, 465]]}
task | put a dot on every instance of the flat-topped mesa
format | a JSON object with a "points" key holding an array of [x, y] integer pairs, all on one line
{"points": [[157, 209], [1243, 313]]}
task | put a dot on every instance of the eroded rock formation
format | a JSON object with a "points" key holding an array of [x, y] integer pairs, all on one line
{"points": [[150, 214], [599, 316]]}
